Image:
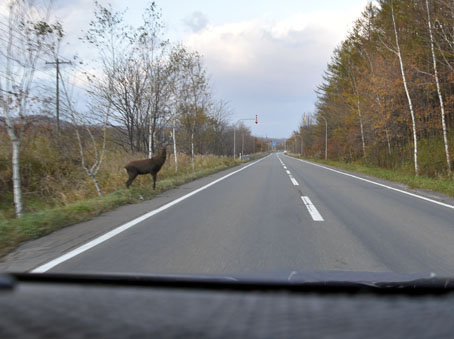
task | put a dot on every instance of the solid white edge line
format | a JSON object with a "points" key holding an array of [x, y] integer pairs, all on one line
{"points": [[378, 184], [311, 208], [45, 267]]}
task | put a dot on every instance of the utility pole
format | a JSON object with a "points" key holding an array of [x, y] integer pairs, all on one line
{"points": [[57, 63], [234, 134], [301, 139], [302, 149], [242, 145]]}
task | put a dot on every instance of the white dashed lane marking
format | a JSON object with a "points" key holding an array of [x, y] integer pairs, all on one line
{"points": [[312, 210], [294, 181], [315, 214]]}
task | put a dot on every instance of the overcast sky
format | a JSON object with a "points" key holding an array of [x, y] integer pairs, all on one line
{"points": [[263, 57]]}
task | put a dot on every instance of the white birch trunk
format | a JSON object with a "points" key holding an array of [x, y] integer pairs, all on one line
{"points": [[150, 139], [388, 141], [95, 181], [382, 109], [358, 107], [27, 77], [440, 97], [175, 148], [15, 139], [415, 140], [15, 143], [361, 127], [16, 177], [82, 158], [192, 151], [93, 170]]}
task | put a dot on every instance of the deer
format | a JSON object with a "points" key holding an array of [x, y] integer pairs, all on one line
{"points": [[152, 166]]}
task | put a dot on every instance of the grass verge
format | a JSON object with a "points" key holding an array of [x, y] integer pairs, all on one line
{"points": [[33, 225], [441, 184]]}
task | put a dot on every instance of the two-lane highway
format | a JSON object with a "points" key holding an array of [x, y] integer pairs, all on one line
{"points": [[279, 215]]}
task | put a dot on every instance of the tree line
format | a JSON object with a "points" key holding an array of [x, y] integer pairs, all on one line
{"points": [[387, 96], [140, 93]]}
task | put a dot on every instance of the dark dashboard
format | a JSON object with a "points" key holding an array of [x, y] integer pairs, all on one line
{"points": [[97, 306]]}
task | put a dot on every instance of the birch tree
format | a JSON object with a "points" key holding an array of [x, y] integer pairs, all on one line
{"points": [[134, 79], [78, 122], [440, 96], [351, 72], [173, 104], [401, 69], [152, 51], [398, 53], [175, 84], [27, 37], [122, 83], [194, 93]]}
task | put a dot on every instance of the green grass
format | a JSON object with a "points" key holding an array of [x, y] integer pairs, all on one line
{"points": [[440, 184], [33, 225]]}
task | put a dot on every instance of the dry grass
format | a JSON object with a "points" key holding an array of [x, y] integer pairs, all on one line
{"points": [[439, 184], [79, 202], [52, 175]]}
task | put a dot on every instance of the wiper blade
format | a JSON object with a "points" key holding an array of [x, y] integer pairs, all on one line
{"points": [[414, 287]]}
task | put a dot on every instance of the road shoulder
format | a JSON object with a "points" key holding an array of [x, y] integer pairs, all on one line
{"points": [[36, 252]]}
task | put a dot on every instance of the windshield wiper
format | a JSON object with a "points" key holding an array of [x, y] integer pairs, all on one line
{"points": [[413, 287]]}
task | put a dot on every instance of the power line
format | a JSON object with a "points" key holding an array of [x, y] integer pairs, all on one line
{"points": [[21, 40], [47, 74], [85, 81], [63, 59]]}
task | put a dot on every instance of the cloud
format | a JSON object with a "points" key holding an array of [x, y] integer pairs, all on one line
{"points": [[271, 66], [4, 10], [197, 21]]}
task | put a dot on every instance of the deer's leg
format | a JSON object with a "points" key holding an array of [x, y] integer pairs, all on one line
{"points": [[132, 176], [154, 175]]}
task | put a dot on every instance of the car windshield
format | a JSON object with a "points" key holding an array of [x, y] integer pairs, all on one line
{"points": [[290, 141]]}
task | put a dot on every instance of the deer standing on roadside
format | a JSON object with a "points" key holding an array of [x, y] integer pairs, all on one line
{"points": [[152, 166]]}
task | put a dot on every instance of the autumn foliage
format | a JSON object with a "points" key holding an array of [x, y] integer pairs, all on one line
{"points": [[363, 95]]}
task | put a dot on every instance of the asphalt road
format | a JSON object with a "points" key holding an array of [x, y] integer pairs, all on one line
{"points": [[282, 215]]}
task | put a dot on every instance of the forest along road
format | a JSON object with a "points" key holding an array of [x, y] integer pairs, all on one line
{"points": [[280, 214]]}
